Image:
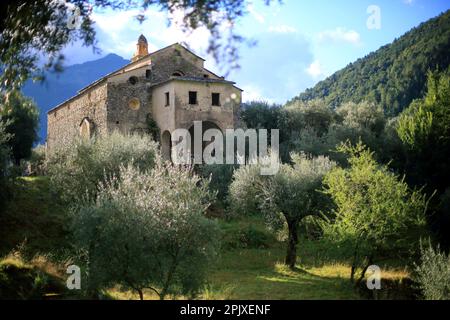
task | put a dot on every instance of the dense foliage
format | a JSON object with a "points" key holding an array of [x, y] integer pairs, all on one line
{"points": [[148, 230], [286, 197], [376, 215], [395, 74], [77, 170], [4, 161], [220, 176], [314, 128], [21, 116], [425, 130], [433, 273]]}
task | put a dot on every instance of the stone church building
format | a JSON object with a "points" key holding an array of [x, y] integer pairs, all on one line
{"points": [[170, 86]]}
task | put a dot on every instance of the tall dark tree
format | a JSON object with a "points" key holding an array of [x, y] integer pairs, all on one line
{"points": [[4, 159], [21, 116], [425, 130]]}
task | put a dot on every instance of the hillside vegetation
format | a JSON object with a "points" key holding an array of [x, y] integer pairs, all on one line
{"points": [[395, 74]]}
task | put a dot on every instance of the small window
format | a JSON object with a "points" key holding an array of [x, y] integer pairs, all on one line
{"points": [[193, 97], [148, 73], [215, 99], [167, 99], [205, 76], [133, 80]]}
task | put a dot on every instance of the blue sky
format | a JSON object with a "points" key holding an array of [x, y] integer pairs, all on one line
{"points": [[299, 42]]}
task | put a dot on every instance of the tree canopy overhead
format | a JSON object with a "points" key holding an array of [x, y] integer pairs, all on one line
{"points": [[31, 30]]}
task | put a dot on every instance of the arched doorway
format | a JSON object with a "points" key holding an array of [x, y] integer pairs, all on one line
{"points": [[205, 126], [86, 129], [166, 146]]}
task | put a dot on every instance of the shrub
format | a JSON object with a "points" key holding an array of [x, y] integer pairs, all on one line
{"points": [[148, 230], [433, 274], [245, 235], [77, 171], [245, 190], [220, 175], [36, 164]]}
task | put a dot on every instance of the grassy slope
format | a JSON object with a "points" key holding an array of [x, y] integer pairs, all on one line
{"points": [[32, 219], [249, 267]]}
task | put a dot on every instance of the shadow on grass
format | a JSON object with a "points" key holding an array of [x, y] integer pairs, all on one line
{"points": [[259, 274]]}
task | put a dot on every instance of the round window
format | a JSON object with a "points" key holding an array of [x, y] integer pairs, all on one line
{"points": [[134, 104], [133, 80]]}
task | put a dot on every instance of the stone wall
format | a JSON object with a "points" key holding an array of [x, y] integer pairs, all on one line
{"points": [[125, 100], [174, 59], [63, 122], [222, 116], [128, 106]]}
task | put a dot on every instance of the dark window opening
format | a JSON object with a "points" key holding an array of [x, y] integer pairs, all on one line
{"points": [[178, 74], [117, 122], [205, 76], [167, 99], [148, 73], [133, 80], [215, 99], [192, 97]]}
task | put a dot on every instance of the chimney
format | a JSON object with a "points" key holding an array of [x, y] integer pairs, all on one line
{"points": [[141, 48]]}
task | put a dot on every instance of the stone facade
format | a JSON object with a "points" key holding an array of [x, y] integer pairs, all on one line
{"points": [[156, 85]]}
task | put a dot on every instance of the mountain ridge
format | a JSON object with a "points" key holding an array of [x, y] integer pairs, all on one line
{"points": [[392, 76], [58, 87]]}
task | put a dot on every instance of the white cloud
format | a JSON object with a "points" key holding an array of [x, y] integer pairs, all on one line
{"points": [[340, 35], [256, 15], [408, 2], [254, 93], [282, 29], [315, 69], [119, 30]]}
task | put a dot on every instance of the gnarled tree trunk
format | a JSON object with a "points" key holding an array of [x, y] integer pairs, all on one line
{"points": [[291, 255]]}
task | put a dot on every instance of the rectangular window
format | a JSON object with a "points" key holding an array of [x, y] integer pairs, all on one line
{"points": [[167, 99], [215, 99], [193, 97], [148, 73]]}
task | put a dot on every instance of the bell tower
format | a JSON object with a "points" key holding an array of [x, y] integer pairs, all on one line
{"points": [[141, 48]]}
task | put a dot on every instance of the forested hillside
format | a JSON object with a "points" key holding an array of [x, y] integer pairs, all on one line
{"points": [[395, 74]]}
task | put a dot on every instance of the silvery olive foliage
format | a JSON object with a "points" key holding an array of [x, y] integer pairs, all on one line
{"points": [[245, 190], [77, 170], [148, 230], [286, 197], [433, 273]]}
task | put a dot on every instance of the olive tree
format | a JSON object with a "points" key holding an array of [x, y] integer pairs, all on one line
{"points": [[375, 212], [288, 196], [148, 230], [77, 170]]}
